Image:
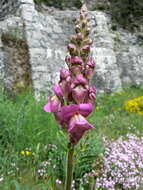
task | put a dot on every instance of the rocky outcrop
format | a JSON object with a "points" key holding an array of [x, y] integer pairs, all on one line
{"points": [[118, 54]]}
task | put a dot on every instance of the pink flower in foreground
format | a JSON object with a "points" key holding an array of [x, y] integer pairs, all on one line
{"points": [[74, 97], [78, 125]]}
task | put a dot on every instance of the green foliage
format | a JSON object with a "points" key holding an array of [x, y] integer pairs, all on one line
{"points": [[61, 4], [33, 149], [128, 13], [110, 117]]}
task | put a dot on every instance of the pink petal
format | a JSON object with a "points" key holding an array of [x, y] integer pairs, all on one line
{"points": [[64, 73], [47, 107], [77, 127], [80, 79], [79, 94], [58, 92], [53, 105], [76, 60], [70, 110], [85, 109]]}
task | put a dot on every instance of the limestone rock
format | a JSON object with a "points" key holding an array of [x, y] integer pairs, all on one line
{"points": [[118, 54]]}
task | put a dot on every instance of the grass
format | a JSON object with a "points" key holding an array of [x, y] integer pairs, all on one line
{"points": [[110, 117], [24, 126]]}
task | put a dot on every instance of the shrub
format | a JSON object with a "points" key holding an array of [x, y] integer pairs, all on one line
{"points": [[61, 4], [127, 12]]}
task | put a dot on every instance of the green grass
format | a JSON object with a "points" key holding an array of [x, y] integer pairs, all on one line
{"points": [[25, 126], [112, 120]]}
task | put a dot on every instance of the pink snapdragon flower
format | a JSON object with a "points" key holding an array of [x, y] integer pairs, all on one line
{"points": [[74, 98]]}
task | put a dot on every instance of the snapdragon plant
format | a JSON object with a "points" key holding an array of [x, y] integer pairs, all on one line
{"points": [[74, 98]]}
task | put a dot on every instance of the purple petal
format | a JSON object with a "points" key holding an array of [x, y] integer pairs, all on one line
{"points": [[66, 86], [85, 109], [71, 47], [79, 94], [76, 60], [78, 125], [85, 49], [91, 62], [47, 107], [64, 73], [92, 95], [89, 71], [59, 117], [80, 79], [58, 92], [70, 110], [67, 59], [53, 105], [76, 69]]}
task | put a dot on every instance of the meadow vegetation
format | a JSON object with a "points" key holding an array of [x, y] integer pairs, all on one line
{"points": [[33, 149]]}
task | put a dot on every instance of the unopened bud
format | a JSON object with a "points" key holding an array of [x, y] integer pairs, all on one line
{"points": [[85, 49], [84, 23], [72, 49], [64, 73], [88, 42], [77, 28], [87, 31], [79, 36], [73, 38], [76, 60], [67, 59]]}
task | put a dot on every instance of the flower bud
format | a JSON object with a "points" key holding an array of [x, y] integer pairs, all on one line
{"points": [[92, 95], [84, 9], [88, 42], [64, 73], [90, 62], [89, 68], [87, 31], [72, 49], [85, 50], [84, 23], [80, 79], [73, 38], [77, 28], [82, 16], [76, 60], [67, 59]]}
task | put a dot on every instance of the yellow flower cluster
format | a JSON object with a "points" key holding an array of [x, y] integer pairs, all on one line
{"points": [[26, 153], [135, 105]]}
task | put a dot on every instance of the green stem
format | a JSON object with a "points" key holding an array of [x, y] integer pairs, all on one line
{"points": [[69, 172], [93, 183]]}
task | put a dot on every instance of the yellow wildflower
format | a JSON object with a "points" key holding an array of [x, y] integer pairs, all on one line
{"points": [[22, 153], [135, 105], [97, 108], [27, 153]]}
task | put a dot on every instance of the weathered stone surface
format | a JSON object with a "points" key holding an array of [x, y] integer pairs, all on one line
{"points": [[118, 54], [17, 70]]}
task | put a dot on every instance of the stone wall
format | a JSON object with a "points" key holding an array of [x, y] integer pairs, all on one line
{"points": [[17, 75], [8, 7], [117, 53]]}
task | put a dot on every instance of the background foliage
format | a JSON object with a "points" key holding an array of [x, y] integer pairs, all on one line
{"points": [[61, 4], [128, 13]]}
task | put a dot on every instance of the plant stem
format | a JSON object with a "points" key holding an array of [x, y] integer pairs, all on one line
{"points": [[69, 169]]}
